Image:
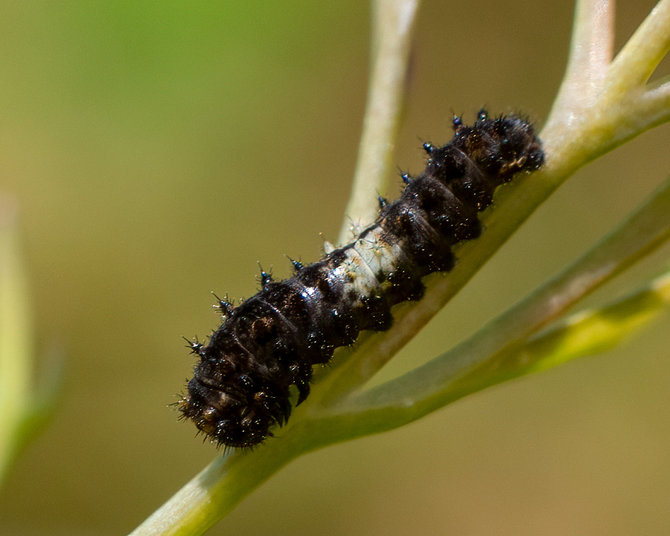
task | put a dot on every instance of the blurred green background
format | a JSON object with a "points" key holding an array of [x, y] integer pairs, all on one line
{"points": [[160, 149]]}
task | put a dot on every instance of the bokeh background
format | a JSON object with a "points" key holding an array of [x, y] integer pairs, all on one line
{"points": [[160, 149]]}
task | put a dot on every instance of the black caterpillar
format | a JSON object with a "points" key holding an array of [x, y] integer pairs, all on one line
{"points": [[240, 387]]}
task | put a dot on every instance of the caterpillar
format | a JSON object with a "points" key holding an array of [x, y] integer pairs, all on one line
{"points": [[240, 385]]}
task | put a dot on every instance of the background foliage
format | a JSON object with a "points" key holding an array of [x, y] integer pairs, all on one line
{"points": [[159, 150]]}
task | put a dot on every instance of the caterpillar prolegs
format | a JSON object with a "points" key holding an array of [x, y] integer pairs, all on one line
{"points": [[240, 386]]}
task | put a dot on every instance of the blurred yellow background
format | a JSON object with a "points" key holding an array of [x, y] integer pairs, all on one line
{"points": [[160, 149]]}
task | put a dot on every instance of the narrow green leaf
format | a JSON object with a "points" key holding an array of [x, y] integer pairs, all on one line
{"points": [[15, 338]]}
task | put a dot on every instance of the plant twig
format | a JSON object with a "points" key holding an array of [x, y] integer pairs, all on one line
{"points": [[393, 22], [433, 384], [593, 331], [591, 49], [640, 56]]}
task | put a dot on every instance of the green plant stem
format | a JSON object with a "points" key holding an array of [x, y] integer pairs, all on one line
{"points": [[392, 28], [591, 49], [433, 384], [590, 332], [216, 490], [640, 56]]}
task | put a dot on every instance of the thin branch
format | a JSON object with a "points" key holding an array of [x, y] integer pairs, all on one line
{"points": [[591, 49], [216, 490], [591, 332], [584, 334], [595, 119], [652, 105], [640, 56], [393, 23], [433, 385]]}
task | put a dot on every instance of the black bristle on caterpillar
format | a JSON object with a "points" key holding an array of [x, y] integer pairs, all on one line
{"points": [[240, 386]]}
